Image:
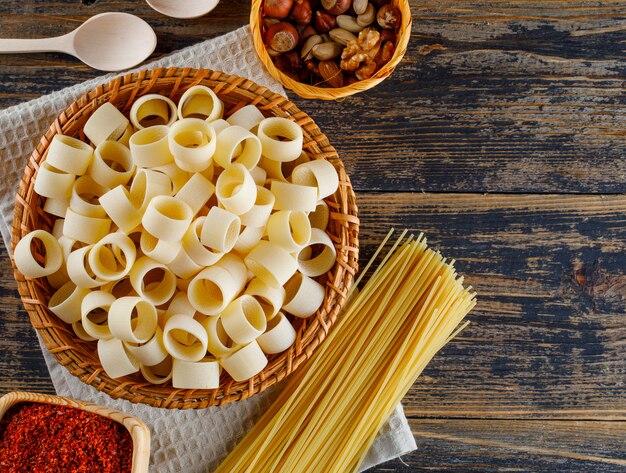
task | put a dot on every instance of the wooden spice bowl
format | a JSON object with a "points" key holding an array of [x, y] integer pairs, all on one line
{"points": [[139, 432], [328, 93]]}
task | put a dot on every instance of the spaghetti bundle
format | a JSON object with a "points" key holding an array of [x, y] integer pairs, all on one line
{"points": [[330, 411]]}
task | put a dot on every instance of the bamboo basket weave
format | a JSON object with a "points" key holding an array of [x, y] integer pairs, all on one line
{"points": [[326, 93], [79, 357]]}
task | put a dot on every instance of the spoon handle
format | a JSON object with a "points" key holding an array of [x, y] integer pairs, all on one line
{"points": [[57, 44]]}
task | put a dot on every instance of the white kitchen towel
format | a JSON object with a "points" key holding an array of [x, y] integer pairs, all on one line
{"points": [[187, 441]]}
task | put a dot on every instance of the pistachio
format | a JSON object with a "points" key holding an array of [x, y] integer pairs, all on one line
{"points": [[349, 23], [309, 44], [341, 36], [368, 17], [327, 51], [359, 6], [326, 38]]}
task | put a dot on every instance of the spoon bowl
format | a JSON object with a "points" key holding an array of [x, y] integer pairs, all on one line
{"points": [[114, 41], [108, 42], [183, 9]]}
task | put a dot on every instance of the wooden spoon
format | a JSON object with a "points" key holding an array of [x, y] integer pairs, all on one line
{"points": [[183, 8], [108, 42]]}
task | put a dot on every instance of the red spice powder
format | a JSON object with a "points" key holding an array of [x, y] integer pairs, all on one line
{"points": [[44, 438]]}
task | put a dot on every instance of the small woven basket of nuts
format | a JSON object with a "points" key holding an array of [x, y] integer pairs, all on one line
{"points": [[328, 49]]}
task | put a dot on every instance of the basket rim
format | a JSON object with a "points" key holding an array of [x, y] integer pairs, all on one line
{"points": [[329, 93], [344, 210]]}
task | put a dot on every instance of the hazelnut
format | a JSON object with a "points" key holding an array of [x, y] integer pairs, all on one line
{"points": [[302, 12], [306, 33], [351, 80], [324, 22], [330, 72], [283, 63], [385, 53], [336, 7], [388, 35], [294, 59], [281, 37], [388, 17], [267, 22], [277, 8], [312, 66]]}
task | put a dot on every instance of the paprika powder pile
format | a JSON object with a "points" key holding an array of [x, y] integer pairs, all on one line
{"points": [[46, 438]]}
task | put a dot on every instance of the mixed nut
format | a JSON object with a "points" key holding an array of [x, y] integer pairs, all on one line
{"points": [[331, 43]]}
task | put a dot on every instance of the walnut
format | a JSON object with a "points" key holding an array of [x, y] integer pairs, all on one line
{"points": [[366, 70], [361, 50], [385, 53], [351, 59], [368, 38]]}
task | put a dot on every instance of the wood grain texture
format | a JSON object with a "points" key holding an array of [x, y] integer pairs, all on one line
{"points": [[546, 340], [21, 362], [547, 337], [477, 446], [521, 100], [492, 96]]}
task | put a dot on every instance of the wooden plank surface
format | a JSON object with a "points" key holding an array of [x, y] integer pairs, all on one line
{"points": [[477, 446], [547, 336], [492, 96], [522, 101]]}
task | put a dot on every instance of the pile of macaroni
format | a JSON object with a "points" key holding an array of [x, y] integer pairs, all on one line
{"points": [[183, 239]]}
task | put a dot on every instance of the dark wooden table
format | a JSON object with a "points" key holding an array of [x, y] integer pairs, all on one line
{"points": [[501, 136]]}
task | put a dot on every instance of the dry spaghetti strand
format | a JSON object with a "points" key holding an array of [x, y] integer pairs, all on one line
{"points": [[329, 412]]}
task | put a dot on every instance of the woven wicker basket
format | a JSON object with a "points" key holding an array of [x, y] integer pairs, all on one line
{"points": [[326, 93], [79, 356]]}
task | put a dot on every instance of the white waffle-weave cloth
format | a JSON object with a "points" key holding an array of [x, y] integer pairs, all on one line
{"points": [[187, 441]]}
